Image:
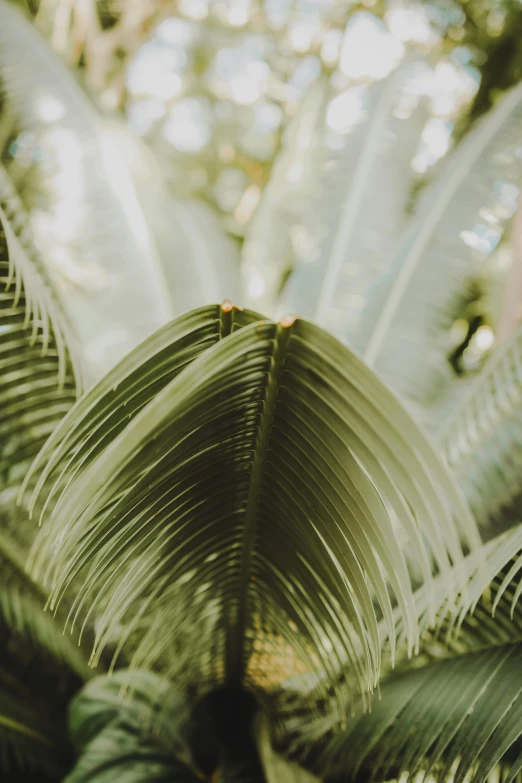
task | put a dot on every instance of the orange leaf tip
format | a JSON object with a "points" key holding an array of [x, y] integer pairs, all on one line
{"points": [[287, 321]]}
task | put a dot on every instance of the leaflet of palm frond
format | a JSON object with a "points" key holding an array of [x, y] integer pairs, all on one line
{"points": [[450, 719], [200, 262], [83, 208], [475, 605], [265, 482], [37, 379], [458, 224], [108, 407], [360, 209], [481, 439], [268, 250], [478, 607]]}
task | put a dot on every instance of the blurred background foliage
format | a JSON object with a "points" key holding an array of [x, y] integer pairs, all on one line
{"points": [[217, 90], [212, 85]]}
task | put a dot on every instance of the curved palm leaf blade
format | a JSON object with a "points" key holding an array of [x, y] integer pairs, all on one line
{"points": [[107, 408], [475, 605], [458, 717], [37, 378], [249, 511], [481, 440], [458, 224], [269, 252], [361, 211], [83, 207], [478, 607]]}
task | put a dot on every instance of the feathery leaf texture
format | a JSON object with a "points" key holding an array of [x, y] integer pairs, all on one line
{"points": [[481, 439], [359, 210], [246, 504], [83, 207], [458, 224], [459, 716], [475, 605], [37, 379]]}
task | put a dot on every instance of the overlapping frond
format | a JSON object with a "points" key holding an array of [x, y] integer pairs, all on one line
{"points": [[481, 440], [37, 379], [459, 717], [479, 607], [475, 606], [244, 517], [359, 208], [459, 222], [81, 200]]}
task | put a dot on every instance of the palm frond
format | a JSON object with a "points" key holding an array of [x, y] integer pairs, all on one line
{"points": [[458, 224], [481, 439], [37, 379], [452, 719], [80, 197], [249, 510], [477, 608], [472, 607], [138, 727], [268, 252], [200, 263], [360, 210]]}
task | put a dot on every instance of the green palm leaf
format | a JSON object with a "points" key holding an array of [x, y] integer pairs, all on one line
{"points": [[359, 209], [74, 183], [249, 510], [481, 439], [458, 717], [37, 378], [449, 241]]}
